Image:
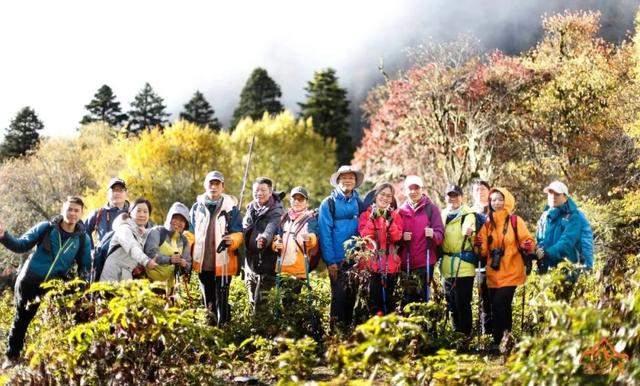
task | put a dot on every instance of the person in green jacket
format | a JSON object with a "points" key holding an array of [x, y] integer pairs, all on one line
{"points": [[457, 264]]}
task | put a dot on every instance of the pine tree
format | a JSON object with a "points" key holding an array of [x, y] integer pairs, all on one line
{"points": [[260, 94], [147, 111], [22, 135], [104, 108], [200, 112], [328, 106]]}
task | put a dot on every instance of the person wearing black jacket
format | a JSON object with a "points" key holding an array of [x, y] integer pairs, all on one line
{"points": [[259, 227]]}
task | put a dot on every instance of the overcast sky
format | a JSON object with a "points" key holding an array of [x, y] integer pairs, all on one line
{"points": [[55, 54]]}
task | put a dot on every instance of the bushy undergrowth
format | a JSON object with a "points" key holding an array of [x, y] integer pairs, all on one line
{"points": [[576, 328]]}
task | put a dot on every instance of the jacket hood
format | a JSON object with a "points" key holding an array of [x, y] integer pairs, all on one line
{"points": [[177, 208], [228, 201], [338, 194], [108, 206], [407, 208], [56, 221], [122, 221], [509, 200]]}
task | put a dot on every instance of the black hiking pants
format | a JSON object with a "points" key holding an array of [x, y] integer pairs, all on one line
{"points": [[502, 310], [459, 292], [485, 306], [382, 293], [343, 299], [215, 295], [26, 292]]}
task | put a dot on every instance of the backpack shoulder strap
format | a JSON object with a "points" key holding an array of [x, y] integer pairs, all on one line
{"points": [[428, 210], [44, 237], [361, 206], [81, 246], [163, 236], [331, 201], [98, 217], [513, 219]]}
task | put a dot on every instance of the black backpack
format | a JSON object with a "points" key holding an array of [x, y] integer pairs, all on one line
{"points": [[101, 252]]}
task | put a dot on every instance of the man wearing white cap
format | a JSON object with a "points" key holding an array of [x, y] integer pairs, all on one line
{"points": [[560, 234], [217, 227]]}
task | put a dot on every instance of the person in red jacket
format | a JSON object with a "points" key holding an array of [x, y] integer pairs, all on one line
{"points": [[382, 223]]}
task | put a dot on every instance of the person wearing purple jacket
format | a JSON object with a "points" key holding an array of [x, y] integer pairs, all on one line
{"points": [[423, 232]]}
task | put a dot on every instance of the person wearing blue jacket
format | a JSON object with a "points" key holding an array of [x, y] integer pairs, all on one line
{"points": [[559, 228], [585, 251], [337, 223], [59, 244]]}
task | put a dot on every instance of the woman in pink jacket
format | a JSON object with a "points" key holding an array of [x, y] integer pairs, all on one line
{"points": [[423, 232], [382, 223]]}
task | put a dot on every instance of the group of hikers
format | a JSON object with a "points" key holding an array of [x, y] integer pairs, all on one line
{"points": [[485, 243]]}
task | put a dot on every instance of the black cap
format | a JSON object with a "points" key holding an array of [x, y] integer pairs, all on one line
{"points": [[117, 181], [453, 189], [300, 190]]}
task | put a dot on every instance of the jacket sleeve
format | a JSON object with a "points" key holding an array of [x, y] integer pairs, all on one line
{"points": [[83, 259], [236, 221], [325, 232], [540, 228], [312, 230], [152, 246], [469, 222], [395, 229], [436, 223], [567, 241], [484, 248], [90, 225], [25, 242], [524, 234], [586, 241], [186, 251], [366, 226], [236, 240], [192, 218], [272, 225], [130, 245]]}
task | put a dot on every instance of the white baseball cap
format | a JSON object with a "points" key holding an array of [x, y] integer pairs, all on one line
{"points": [[557, 187], [413, 180]]}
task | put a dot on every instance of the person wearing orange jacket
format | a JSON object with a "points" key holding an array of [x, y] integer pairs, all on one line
{"points": [[501, 250], [382, 223], [298, 236]]}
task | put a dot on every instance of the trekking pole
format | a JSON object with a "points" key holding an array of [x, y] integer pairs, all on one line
{"points": [[428, 273], [256, 294], [382, 282], [524, 293], [407, 255], [246, 172], [187, 280], [92, 274], [307, 267], [278, 279]]}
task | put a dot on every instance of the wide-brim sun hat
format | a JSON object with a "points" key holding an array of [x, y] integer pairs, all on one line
{"points": [[344, 169]]}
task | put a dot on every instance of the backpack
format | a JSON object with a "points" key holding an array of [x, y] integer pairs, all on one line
{"points": [[101, 252]]}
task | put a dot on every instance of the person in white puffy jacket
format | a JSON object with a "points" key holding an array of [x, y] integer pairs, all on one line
{"points": [[126, 249]]}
